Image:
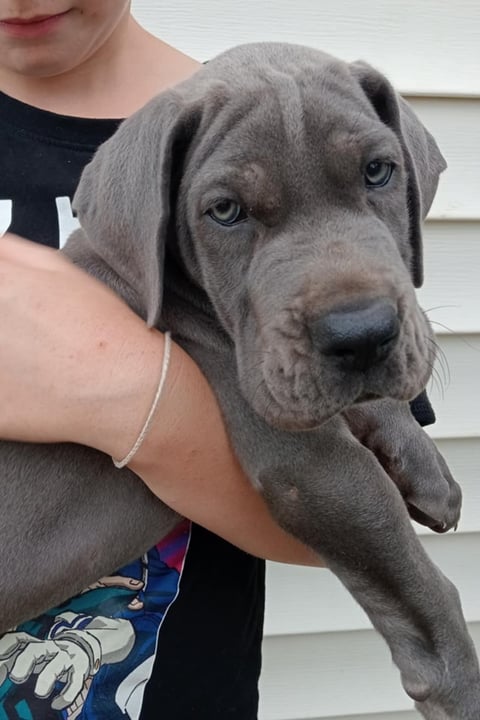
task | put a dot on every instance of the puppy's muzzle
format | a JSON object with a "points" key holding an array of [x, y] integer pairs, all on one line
{"points": [[357, 338]]}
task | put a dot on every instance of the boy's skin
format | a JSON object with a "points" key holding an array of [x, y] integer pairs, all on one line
{"points": [[79, 365]]}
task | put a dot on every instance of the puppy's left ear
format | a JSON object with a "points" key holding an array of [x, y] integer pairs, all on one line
{"points": [[423, 159], [126, 195]]}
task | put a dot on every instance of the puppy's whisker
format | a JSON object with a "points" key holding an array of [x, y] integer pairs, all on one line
{"points": [[442, 361], [439, 307], [444, 327], [433, 379], [436, 382], [439, 368], [449, 330], [437, 379]]}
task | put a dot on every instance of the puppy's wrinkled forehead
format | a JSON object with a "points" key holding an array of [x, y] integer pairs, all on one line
{"points": [[290, 121]]}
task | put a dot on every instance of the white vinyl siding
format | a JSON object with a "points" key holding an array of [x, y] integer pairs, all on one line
{"points": [[322, 660], [425, 46]]}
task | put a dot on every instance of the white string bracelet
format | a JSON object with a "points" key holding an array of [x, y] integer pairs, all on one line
{"points": [[148, 422]]}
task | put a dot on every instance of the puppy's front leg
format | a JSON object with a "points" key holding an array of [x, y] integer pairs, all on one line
{"points": [[330, 491]]}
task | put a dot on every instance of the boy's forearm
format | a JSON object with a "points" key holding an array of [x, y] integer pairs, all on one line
{"points": [[186, 459]]}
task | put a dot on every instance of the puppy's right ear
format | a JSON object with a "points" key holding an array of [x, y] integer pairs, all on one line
{"points": [[123, 201]]}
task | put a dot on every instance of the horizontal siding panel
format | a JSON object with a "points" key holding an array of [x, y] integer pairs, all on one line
{"points": [[455, 124], [330, 676], [310, 600], [427, 47], [451, 292], [463, 457], [455, 387], [413, 715]]}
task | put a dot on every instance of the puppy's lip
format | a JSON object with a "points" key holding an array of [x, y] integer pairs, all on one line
{"points": [[289, 420], [298, 421], [367, 397]]}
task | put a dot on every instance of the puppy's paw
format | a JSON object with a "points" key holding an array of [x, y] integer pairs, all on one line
{"points": [[411, 459], [432, 496]]}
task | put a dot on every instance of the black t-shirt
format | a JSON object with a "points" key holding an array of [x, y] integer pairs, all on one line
{"points": [[175, 635]]}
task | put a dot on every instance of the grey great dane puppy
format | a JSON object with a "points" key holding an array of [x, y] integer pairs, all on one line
{"points": [[267, 211]]}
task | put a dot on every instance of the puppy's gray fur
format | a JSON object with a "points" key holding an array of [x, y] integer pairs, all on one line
{"points": [[286, 132]]}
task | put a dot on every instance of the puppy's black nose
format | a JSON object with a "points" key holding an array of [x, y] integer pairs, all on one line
{"points": [[358, 338]]}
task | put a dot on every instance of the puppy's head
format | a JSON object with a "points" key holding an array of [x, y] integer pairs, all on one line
{"points": [[292, 186]]}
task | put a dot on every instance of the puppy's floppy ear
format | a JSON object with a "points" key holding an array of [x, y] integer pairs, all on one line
{"points": [[423, 159], [124, 196]]}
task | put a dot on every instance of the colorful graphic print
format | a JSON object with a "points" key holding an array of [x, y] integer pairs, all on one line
{"points": [[91, 658]]}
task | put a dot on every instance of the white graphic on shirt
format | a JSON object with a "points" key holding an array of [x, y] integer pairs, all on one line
{"points": [[5, 215], [67, 223], [129, 695]]}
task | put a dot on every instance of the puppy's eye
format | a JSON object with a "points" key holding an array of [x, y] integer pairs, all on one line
{"points": [[377, 173], [227, 212]]}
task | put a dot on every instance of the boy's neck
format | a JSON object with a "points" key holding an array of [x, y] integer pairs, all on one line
{"points": [[128, 70]]}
